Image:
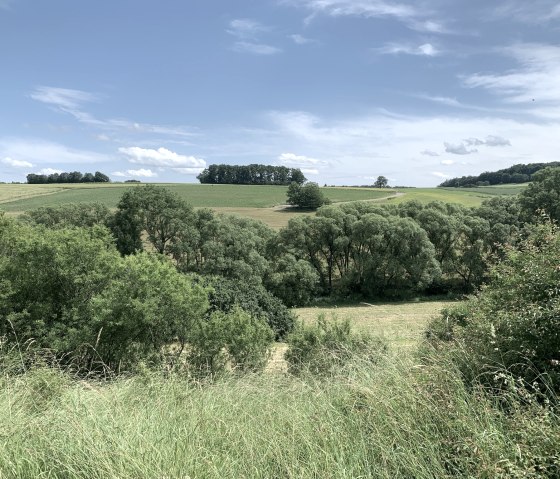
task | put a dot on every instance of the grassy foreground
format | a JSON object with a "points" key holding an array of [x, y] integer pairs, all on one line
{"points": [[396, 420]]}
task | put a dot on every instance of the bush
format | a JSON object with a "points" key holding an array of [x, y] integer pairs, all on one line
{"points": [[308, 196], [233, 340], [226, 294], [327, 346], [514, 322], [148, 306]]}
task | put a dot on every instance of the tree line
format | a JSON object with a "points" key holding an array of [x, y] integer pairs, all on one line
{"points": [[251, 175], [68, 177], [513, 175], [115, 287]]}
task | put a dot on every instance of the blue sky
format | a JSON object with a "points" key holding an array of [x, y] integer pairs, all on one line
{"points": [[346, 90]]}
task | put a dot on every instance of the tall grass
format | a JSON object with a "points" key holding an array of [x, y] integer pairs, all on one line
{"points": [[395, 420]]}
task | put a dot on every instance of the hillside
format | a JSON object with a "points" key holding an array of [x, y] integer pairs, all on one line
{"points": [[515, 174]]}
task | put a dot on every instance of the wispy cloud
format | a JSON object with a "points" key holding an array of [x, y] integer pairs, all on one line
{"points": [[38, 151], [301, 40], [248, 33], [291, 159], [535, 83], [246, 28], [536, 11], [255, 48], [426, 49], [16, 163], [73, 102], [415, 16], [161, 157]]}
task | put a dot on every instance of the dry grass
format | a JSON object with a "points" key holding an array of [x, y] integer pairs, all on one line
{"points": [[401, 324]]}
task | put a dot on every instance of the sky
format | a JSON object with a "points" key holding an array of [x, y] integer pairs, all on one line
{"points": [[346, 90]]}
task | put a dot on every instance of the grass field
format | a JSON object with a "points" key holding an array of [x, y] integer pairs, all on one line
{"points": [[258, 202], [400, 324]]}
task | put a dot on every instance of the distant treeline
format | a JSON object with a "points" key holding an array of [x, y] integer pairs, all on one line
{"points": [[251, 175], [514, 174], [71, 177]]}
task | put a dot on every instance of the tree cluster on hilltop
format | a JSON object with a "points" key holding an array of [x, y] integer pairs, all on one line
{"points": [[513, 175], [68, 177], [251, 175]]}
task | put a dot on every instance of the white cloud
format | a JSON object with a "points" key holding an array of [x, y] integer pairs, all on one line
{"points": [[48, 171], [535, 11], [298, 160], [72, 102], [429, 153], [414, 15], [64, 98], [447, 162], [535, 82], [427, 49], [492, 140], [439, 174], [458, 149], [391, 144], [246, 28], [473, 142], [161, 157], [120, 174], [301, 40], [188, 171], [366, 8], [16, 163], [143, 173], [45, 152], [255, 48], [310, 171]]}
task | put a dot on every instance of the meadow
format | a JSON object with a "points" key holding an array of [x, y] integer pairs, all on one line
{"points": [[265, 203]]}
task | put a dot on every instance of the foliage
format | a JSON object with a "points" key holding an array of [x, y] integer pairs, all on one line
{"points": [[381, 182], [251, 175], [542, 196], [79, 215], [394, 421], [71, 177], [226, 295], [294, 281], [514, 322], [50, 277], [325, 347], [147, 306], [308, 196], [234, 340], [514, 174], [156, 211]]}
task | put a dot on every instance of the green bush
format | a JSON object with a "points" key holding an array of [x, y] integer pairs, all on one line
{"points": [[327, 346], [234, 340], [226, 294], [514, 322], [147, 306]]}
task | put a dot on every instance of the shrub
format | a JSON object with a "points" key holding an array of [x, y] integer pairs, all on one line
{"points": [[226, 294], [514, 322], [236, 340], [146, 307], [327, 346]]}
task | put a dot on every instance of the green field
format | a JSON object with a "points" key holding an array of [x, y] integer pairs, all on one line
{"points": [[18, 198], [400, 324], [259, 202]]}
